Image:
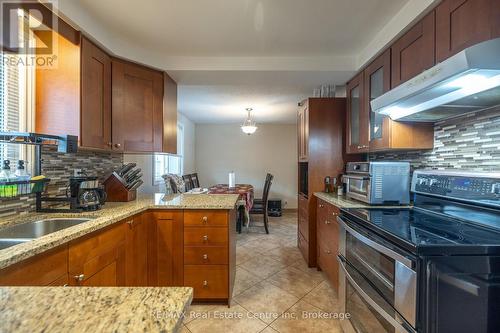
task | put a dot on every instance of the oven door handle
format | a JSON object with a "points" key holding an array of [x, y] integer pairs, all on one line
{"points": [[382, 249], [399, 327]]}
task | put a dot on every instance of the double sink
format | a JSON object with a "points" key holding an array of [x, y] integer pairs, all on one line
{"points": [[26, 232]]}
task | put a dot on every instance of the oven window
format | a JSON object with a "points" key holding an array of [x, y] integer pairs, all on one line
{"points": [[364, 318], [376, 267]]}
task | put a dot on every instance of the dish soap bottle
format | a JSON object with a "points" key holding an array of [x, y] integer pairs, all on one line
{"points": [[7, 176]]}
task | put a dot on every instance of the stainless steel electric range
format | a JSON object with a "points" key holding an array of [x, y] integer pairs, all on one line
{"points": [[431, 268]]}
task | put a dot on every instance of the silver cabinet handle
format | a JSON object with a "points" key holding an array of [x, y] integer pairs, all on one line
{"points": [[327, 222], [370, 301], [205, 219], [80, 277], [205, 238], [334, 214], [130, 223], [205, 256], [380, 248], [328, 252], [321, 206], [205, 283], [117, 145]]}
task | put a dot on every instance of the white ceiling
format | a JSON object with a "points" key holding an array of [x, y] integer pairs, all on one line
{"points": [[227, 55]]}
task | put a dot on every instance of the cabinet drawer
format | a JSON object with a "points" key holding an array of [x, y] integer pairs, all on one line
{"points": [[207, 281], [327, 261], [328, 230], [205, 218], [200, 236], [205, 255]]}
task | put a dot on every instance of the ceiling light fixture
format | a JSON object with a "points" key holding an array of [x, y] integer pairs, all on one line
{"points": [[249, 127]]}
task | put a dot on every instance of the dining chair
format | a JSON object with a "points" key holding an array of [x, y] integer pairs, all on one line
{"points": [[260, 206], [195, 180], [188, 182]]}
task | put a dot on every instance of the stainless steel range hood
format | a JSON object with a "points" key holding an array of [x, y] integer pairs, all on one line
{"points": [[466, 82]]}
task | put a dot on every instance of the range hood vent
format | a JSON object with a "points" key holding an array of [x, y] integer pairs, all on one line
{"points": [[466, 82]]}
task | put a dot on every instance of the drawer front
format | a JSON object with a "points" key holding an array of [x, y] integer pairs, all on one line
{"points": [[205, 255], [205, 218], [328, 230], [200, 236], [209, 282], [327, 261]]}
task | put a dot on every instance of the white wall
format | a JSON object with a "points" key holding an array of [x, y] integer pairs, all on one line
{"points": [[273, 148], [145, 161]]}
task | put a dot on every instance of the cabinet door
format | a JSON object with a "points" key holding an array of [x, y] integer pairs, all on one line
{"points": [[136, 252], [377, 82], [357, 117], [96, 97], [165, 248], [137, 113], [463, 23], [413, 53], [98, 259]]}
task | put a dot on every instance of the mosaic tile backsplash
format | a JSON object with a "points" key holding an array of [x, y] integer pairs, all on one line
{"points": [[470, 142], [59, 167]]}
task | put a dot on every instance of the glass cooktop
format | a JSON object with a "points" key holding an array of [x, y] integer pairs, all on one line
{"points": [[418, 229]]}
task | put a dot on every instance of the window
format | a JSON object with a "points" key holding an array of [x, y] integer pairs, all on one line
{"points": [[16, 102], [169, 163], [15, 105]]}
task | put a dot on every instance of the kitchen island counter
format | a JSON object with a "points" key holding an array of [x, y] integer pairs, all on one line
{"points": [[96, 309], [111, 213]]}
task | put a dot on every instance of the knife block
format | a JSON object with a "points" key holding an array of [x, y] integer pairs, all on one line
{"points": [[117, 191]]}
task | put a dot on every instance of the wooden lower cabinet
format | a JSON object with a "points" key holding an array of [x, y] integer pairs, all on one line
{"points": [[46, 269], [154, 248], [328, 241], [136, 252], [165, 248], [210, 254], [99, 259]]}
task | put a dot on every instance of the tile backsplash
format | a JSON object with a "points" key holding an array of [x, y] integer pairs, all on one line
{"points": [[470, 142], [59, 167]]}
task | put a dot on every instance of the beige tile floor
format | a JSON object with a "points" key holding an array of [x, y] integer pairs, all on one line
{"points": [[274, 290]]}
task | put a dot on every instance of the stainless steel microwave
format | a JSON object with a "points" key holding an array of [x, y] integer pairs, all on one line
{"points": [[377, 183]]}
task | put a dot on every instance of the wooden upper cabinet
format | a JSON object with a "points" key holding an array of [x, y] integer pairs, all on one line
{"points": [[96, 97], [377, 82], [137, 111], [413, 53], [386, 134], [463, 23], [170, 116], [357, 117], [303, 131]]}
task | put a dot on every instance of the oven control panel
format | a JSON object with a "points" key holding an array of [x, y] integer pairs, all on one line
{"points": [[466, 186]]}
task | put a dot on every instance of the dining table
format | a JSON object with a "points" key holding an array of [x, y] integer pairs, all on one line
{"points": [[245, 201]]}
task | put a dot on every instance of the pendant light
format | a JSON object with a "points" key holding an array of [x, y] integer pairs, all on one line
{"points": [[249, 127]]}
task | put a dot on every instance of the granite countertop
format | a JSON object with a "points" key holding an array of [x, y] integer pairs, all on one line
{"points": [[344, 202], [93, 309], [111, 213]]}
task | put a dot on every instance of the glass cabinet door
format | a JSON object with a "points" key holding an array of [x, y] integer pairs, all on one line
{"points": [[376, 89], [355, 116]]}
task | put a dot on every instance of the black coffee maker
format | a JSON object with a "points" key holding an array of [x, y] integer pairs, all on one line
{"points": [[86, 193]]}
